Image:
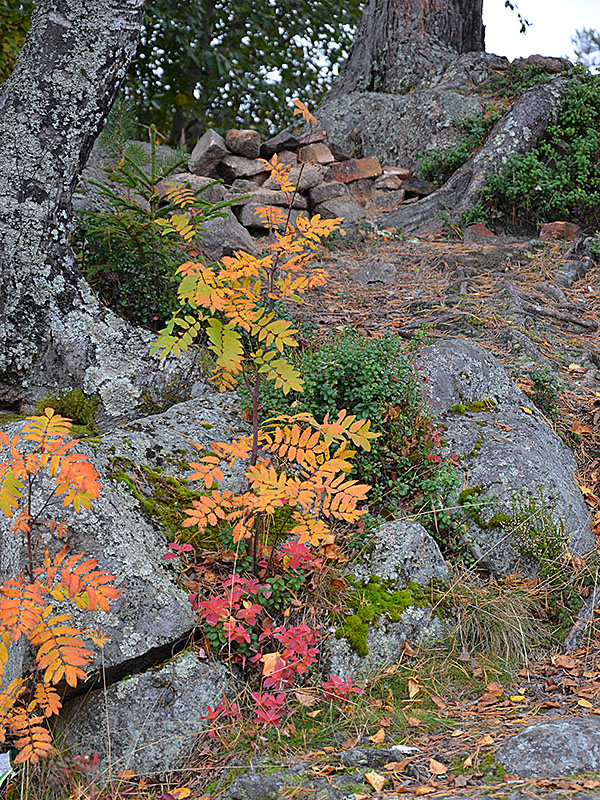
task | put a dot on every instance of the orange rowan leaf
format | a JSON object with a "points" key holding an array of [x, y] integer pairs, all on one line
{"points": [[47, 698], [32, 739], [61, 652], [300, 108], [21, 606]]}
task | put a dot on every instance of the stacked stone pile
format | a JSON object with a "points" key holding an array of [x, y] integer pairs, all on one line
{"points": [[330, 182]]}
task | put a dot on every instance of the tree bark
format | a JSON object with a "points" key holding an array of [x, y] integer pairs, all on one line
{"points": [[517, 132], [399, 42], [53, 331]]}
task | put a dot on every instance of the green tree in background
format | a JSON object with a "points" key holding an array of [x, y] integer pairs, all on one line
{"points": [[221, 63], [14, 24], [236, 64], [587, 46]]}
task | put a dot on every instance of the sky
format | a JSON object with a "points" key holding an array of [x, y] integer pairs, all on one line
{"points": [[553, 22]]}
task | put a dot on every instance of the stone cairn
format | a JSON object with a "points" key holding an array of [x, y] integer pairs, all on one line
{"points": [[332, 183]]}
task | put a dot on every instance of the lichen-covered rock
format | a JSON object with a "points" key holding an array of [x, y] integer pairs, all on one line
{"points": [[401, 555], [554, 748], [298, 779], [312, 175], [396, 128], [402, 551], [385, 642], [152, 720], [153, 612], [504, 447], [222, 236]]}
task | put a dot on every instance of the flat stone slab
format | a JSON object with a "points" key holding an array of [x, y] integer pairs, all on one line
{"points": [[556, 748]]}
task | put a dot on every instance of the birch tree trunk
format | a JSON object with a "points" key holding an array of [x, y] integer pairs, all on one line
{"points": [[53, 330], [399, 42]]}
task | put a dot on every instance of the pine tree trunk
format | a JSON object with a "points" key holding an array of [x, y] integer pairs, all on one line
{"points": [[53, 330], [399, 42]]}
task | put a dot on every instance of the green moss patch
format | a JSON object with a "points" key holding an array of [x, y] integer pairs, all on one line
{"points": [[474, 406], [370, 602], [164, 498], [76, 405]]}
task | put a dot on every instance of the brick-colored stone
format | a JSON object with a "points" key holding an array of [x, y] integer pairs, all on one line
{"points": [[368, 167], [326, 191], [243, 142], [317, 153], [210, 149], [345, 171], [555, 231], [478, 233]]}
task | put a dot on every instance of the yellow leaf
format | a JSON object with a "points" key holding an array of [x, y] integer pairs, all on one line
{"points": [[376, 780], [379, 737], [413, 688], [585, 703], [485, 740], [468, 762], [315, 713], [421, 790], [526, 410], [436, 767], [272, 662], [517, 698]]}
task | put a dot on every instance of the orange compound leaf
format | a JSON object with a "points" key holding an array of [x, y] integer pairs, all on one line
{"points": [[32, 739], [9, 697], [10, 491], [4, 643], [47, 699], [21, 523], [83, 581], [300, 108], [21, 606], [180, 195], [276, 217], [78, 481], [190, 268], [46, 427], [61, 652], [309, 529], [207, 470], [208, 510], [99, 637]]}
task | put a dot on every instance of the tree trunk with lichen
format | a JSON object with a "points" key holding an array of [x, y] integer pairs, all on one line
{"points": [[398, 43], [53, 330]]}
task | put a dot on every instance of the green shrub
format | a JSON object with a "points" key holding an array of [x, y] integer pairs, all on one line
{"points": [[559, 179], [375, 379], [439, 163]]}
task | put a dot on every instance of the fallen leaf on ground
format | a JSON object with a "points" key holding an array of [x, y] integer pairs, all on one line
{"points": [[414, 722], [436, 767], [413, 688], [376, 780], [438, 701], [379, 737], [566, 662], [495, 688], [306, 699], [461, 780], [421, 790]]}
